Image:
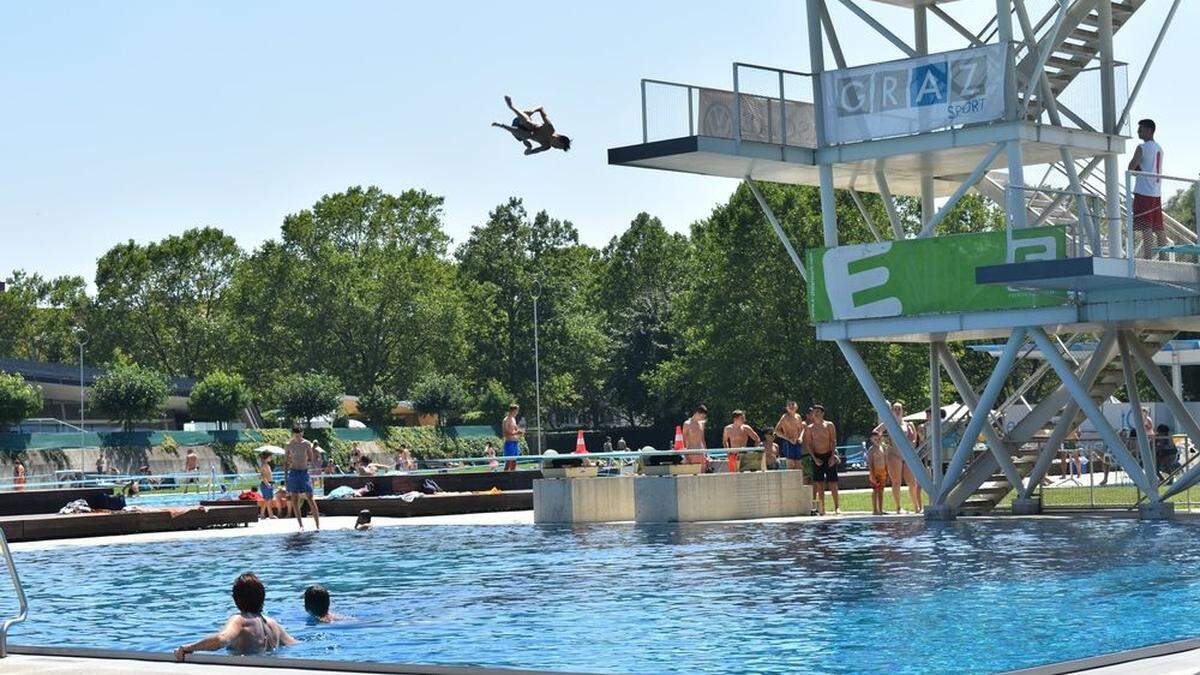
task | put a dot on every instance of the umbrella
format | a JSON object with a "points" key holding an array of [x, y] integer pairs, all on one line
{"points": [[273, 449]]}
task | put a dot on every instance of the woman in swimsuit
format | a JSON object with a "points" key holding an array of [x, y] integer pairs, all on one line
{"points": [[248, 631], [897, 469]]}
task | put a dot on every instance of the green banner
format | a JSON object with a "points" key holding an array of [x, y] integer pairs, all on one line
{"points": [[932, 275]]}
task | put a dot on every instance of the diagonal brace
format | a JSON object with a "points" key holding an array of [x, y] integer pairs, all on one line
{"points": [[1143, 438], [880, 28], [1182, 417], [783, 238], [1089, 408]]}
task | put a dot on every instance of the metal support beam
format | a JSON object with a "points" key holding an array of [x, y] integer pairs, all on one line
{"points": [[921, 42], [1183, 418], [975, 177], [834, 44], [934, 423], [1065, 423], [883, 409], [1137, 87], [967, 393], [879, 28], [958, 27], [783, 238], [862, 210], [1081, 396], [1039, 66], [1131, 391], [816, 56], [1108, 105], [981, 412], [1051, 404], [889, 203]]}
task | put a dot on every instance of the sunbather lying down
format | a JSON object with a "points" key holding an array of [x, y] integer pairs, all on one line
{"points": [[524, 129]]}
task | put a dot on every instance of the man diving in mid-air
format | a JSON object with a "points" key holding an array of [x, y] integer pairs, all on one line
{"points": [[524, 129]]}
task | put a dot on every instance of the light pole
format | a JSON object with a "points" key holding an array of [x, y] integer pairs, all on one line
{"points": [[537, 374], [81, 338]]}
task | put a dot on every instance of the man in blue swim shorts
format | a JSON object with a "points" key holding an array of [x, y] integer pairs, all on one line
{"points": [[512, 436], [790, 429], [299, 455]]}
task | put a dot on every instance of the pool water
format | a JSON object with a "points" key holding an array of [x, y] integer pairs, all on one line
{"points": [[839, 596]]}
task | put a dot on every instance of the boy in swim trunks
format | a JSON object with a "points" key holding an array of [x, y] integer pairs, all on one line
{"points": [[789, 428], [877, 473], [512, 437], [299, 455], [266, 486]]}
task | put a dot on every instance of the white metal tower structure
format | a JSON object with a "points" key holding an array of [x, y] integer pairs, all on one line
{"points": [[1034, 87]]}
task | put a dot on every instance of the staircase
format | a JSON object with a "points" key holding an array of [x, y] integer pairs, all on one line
{"points": [[1077, 43], [994, 485]]}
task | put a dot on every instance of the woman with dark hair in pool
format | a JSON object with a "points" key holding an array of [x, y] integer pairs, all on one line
{"points": [[248, 631]]}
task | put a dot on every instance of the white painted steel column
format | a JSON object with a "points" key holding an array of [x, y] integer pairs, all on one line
{"points": [[934, 423], [816, 57], [884, 410], [1083, 398], [1014, 197], [921, 42], [981, 411], [1108, 104]]}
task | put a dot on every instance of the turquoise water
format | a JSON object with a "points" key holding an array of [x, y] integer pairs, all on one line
{"points": [[848, 596]]}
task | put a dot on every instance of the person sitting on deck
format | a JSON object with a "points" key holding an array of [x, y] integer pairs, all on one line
{"points": [[248, 631], [524, 129], [316, 603], [1166, 455]]}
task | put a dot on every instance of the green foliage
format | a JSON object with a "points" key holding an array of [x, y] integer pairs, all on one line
{"points": [[437, 443], [219, 397], [169, 444], [164, 303], [441, 395], [377, 404], [492, 402], [18, 399], [130, 393], [37, 317], [1182, 207], [301, 397]]}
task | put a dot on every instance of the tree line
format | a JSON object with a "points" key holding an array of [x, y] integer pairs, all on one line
{"points": [[366, 290]]}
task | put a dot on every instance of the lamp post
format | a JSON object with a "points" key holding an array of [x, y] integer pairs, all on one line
{"points": [[81, 338], [537, 375]]}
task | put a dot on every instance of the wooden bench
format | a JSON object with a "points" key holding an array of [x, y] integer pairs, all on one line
{"points": [[110, 523]]}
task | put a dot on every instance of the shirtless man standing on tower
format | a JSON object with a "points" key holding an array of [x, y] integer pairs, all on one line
{"points": [[693, 436]]}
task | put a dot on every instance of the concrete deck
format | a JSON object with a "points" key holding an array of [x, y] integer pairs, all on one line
{"points": [[18, 664]]}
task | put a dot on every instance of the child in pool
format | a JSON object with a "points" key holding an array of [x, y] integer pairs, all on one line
{"points": [[316, 603], [877, 474]]}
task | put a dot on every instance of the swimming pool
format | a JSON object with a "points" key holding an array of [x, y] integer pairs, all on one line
{"points": [[839, 596]]}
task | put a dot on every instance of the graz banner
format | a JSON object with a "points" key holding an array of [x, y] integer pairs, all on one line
{"points": [[933, 275], [914, 95]]}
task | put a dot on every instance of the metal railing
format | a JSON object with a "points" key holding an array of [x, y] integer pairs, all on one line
{"points": [[22, 602], [772, 117], [1152, 241]]}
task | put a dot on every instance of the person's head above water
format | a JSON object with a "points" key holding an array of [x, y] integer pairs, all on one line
{"points": [[249, 593], [316, 600]]}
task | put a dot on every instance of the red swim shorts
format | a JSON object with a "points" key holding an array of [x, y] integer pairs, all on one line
{"points": [[1147, 213]]}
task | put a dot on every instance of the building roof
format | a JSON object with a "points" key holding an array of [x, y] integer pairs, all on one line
{"points": [[67, 374]]}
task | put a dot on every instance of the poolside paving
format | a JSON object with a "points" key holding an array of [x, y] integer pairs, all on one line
{"points": [[18, 664]]}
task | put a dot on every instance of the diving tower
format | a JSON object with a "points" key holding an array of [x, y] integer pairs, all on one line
{"points": [[1027, 93]]}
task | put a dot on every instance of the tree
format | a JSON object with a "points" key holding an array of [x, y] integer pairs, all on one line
{"points": [[301, 397], [357, 286], [37, 316], [130, 393], [493, 401], [219, 397], [441, 395], [377, 404], [163, 304], [642, 273], [504, 265], [1182, 206], [18, 399]]}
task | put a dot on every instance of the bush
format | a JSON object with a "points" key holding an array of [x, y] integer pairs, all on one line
{"points": [[219, 397], [436, 443], [129, 393], [441, 395], [377, 404], [18, 399], [303, 397]]}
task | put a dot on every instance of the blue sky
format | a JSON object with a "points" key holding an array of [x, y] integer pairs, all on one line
{"points": [[135, 120]]}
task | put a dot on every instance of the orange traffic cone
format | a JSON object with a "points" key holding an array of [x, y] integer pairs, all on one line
{"points": [[580, 446], [678, 437]]}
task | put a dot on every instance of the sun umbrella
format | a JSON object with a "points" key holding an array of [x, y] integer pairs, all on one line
{"points": [[273, 449]]}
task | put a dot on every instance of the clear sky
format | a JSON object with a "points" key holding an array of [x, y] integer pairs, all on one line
{"points": [[135, 120]]}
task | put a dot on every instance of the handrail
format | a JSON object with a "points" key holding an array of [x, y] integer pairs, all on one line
{"points": [[23, 603], [743, 64]]}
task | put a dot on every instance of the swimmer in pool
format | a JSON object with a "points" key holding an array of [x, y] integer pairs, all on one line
{"points": [[316, 603], [524, 129], [248, 631]]}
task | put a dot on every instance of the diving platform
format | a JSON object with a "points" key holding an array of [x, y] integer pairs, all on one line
{"points": [[1097, 275], [948, 156]]}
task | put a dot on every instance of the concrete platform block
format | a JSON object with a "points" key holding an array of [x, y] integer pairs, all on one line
{"points": [[571, 472], [940, 512], [728, 496], [1156, 511], [583, 500], [1026, 507], [673, 470]]}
